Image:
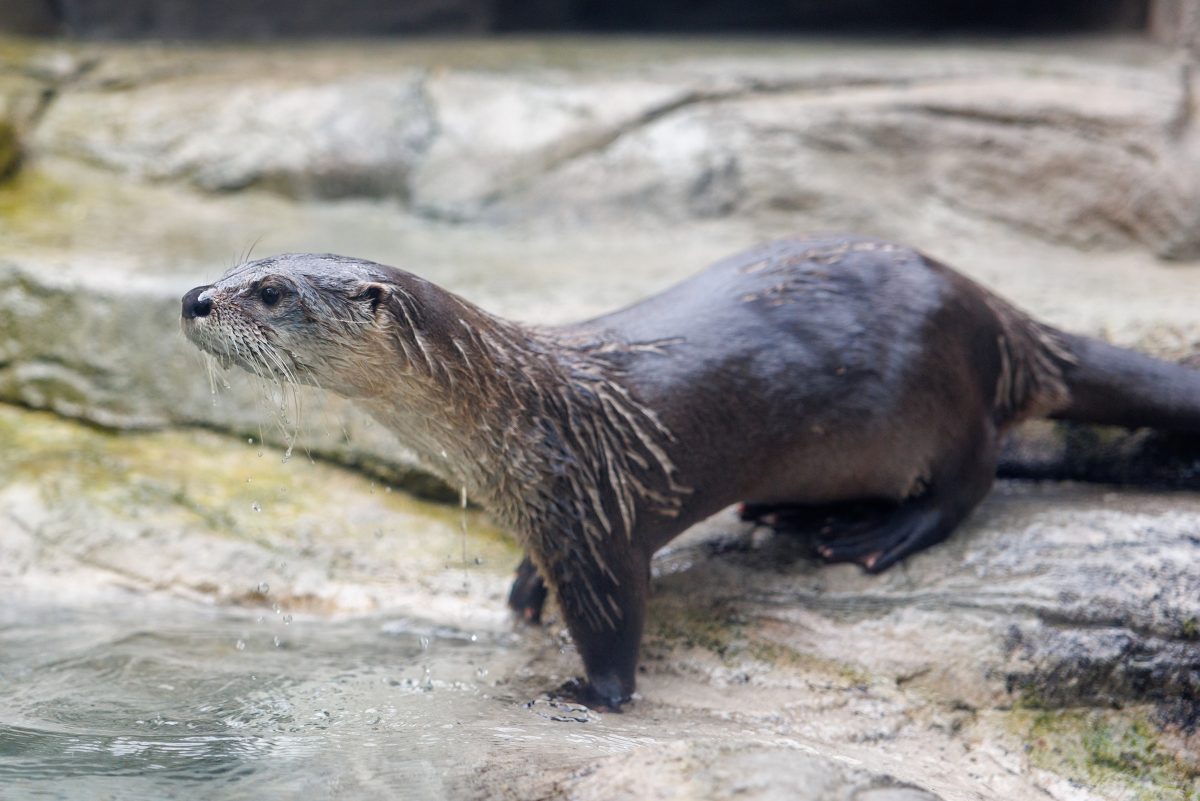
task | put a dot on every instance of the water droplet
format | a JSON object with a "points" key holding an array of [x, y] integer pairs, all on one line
{"points": [[264, 588], [249, 481], [275, 608], [277, 641], [462, 523], [249, 440], [261, 619], [424, 643], [479, 560], [241, 645], [287, 620], [481, 673], [256, 506], [474, 637]]}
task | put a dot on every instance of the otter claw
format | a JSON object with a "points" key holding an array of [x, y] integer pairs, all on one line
{"points": [[879, 546]]}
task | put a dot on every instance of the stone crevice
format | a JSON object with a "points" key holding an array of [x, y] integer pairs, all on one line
{"points": [[689, 99]]}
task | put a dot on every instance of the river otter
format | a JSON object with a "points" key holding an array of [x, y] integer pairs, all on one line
{"points": [[851, 385]]}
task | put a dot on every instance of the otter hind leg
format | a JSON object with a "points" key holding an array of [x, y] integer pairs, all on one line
{"points": [[957, 487], [819, 520], [527, 596], [878, 534], [881, 543]]}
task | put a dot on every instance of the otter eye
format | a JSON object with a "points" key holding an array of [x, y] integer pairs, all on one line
{"points": [[269, 295]]}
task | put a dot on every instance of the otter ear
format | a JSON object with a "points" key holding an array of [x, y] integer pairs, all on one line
{"points": [[372, 293]]}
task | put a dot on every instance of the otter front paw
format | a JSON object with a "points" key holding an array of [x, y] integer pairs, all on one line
{"points": [[528, 593], [604, 693]]}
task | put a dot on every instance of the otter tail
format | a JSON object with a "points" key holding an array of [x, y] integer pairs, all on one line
{"points": [[1108, 385]]}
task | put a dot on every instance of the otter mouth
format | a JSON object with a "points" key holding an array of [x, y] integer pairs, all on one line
{"points": [[245, 347], [212, 346]]}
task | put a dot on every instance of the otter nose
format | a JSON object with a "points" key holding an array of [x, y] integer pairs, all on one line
{"points": [[193, 306]]}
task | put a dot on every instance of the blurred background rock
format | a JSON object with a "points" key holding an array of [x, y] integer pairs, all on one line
{"points": [[553, 177]]}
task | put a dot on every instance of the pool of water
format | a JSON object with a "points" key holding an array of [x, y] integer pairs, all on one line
{"points": [[157, 699]]}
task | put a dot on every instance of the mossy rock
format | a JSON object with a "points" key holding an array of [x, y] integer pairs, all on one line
{"points": [[1111, 752], [196, 514]]}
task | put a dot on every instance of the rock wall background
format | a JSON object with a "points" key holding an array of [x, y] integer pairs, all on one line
{"points": [[545, 181]]}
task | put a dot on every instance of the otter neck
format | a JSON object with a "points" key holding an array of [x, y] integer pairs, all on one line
{"points": [[536, 424]]}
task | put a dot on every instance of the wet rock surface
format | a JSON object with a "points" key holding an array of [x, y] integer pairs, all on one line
{"points": [[1049, 649], [223, 520]]}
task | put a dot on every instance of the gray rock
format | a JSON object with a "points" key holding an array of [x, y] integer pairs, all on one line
{"points": [[708, 772], [884, 159], [1051, 595], [499, 131], [1177, 23], [201, 516], [883, 141], [330, 138]]}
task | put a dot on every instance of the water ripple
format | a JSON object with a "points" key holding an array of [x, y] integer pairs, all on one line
{"points": [[30, 753], [134, 703]]}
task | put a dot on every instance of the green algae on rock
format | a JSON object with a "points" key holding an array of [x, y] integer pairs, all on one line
{"points": [[1119, 754], [205, 516]]}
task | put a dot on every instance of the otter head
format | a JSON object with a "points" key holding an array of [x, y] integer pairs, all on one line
{"points": [[320, 320]]}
